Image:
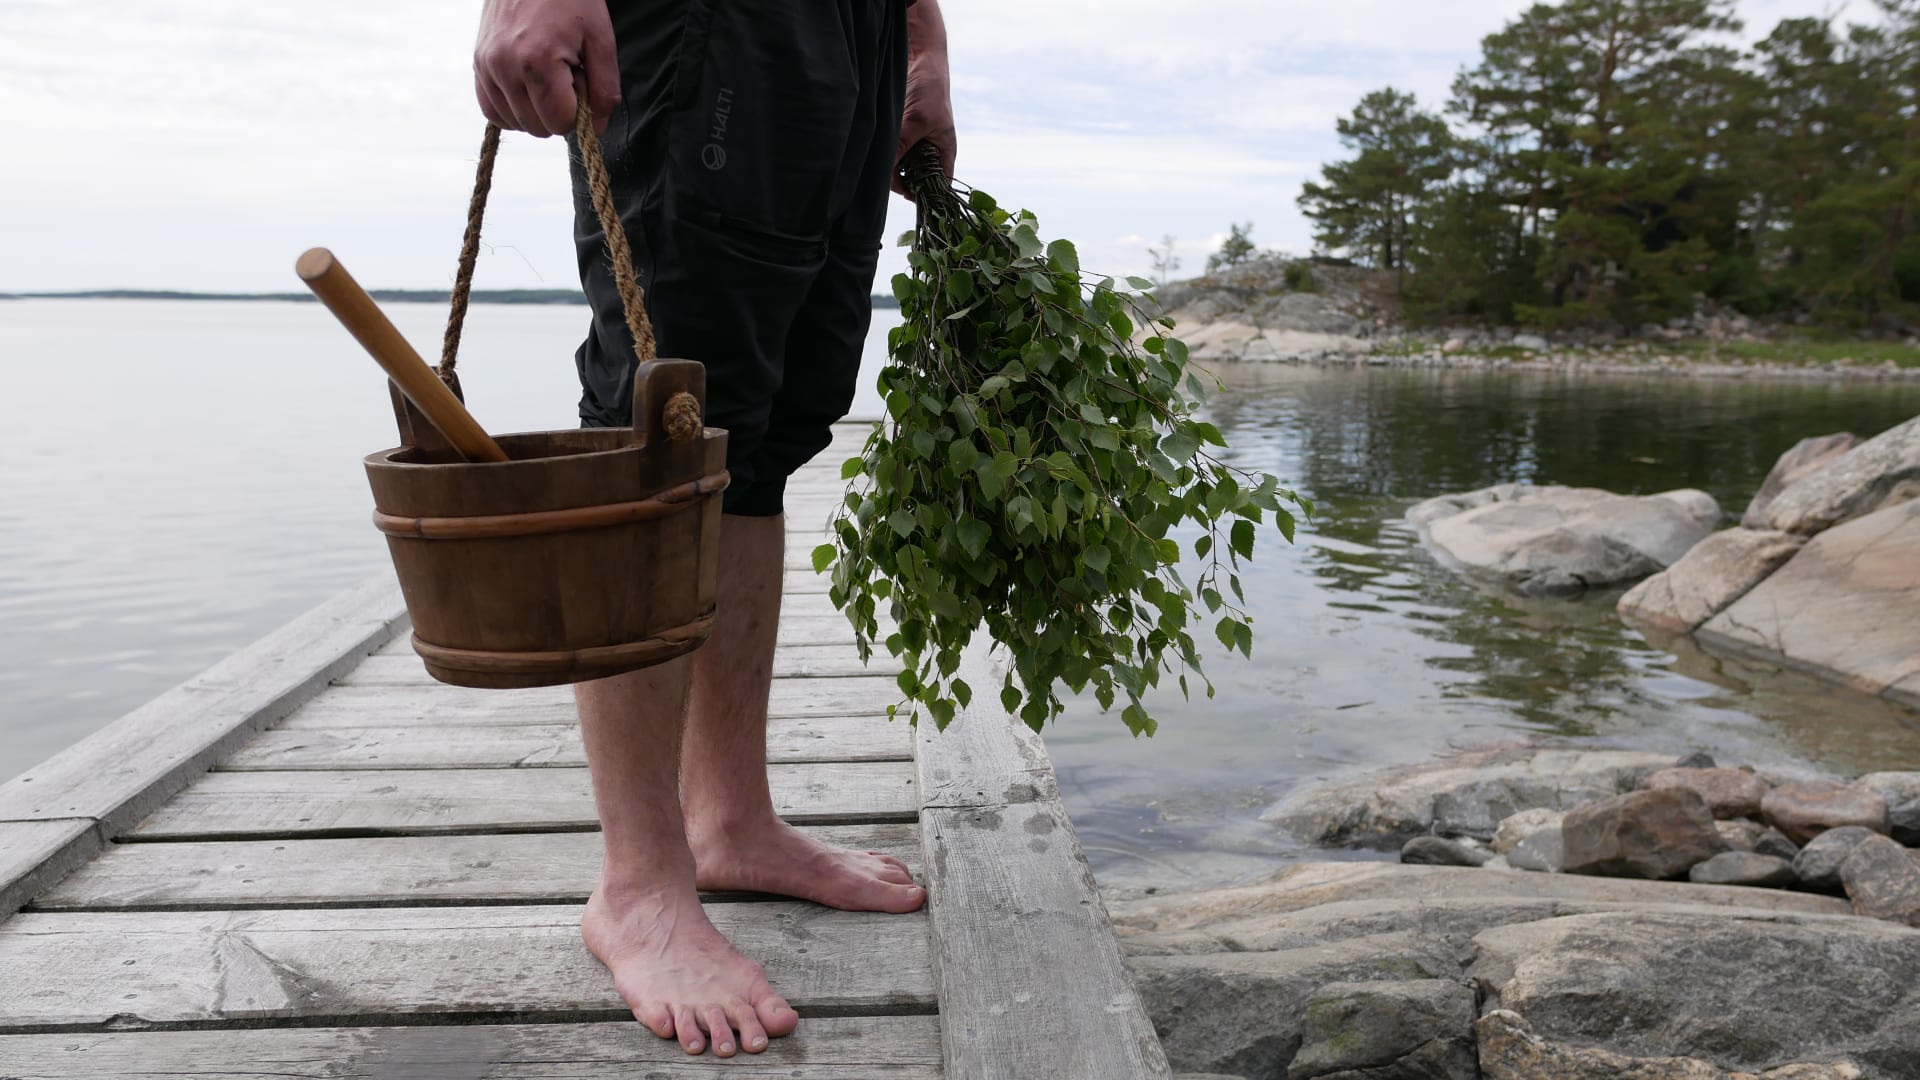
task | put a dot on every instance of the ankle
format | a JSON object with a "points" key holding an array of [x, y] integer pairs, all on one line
{"points": [[706, 828]]}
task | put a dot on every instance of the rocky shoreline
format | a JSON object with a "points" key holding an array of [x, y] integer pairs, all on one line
{"points": [[1571, 911], [1274, 309]]}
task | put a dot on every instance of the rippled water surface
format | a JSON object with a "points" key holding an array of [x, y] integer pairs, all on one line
{"points": [[178, 478]]}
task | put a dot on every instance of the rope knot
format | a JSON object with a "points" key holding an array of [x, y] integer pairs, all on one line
{"points": [[680, 419]]}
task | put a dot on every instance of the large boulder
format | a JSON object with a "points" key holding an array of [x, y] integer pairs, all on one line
{"points": [[1847, 606], [1807, 456], [1718, 571], [1818, 864], [1881, 472], [1734, 989], [1882, 880], [1464, 795], [1648, 834], [1559, 540]]}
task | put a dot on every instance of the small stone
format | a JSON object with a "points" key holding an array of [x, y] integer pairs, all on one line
{"points": [[1743, 868], [1543, 852], [1439, 851], [1804, 811], [1699, 759], [1453, 345], [1730, 793], [1774, 842], [1901, 790], [1530, 342], [1517, 827], [1883, 881], [1818, 864], [1740, 834], [1647, 834]]}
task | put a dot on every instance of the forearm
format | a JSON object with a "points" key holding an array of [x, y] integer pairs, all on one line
{"points": [[926, 33]]}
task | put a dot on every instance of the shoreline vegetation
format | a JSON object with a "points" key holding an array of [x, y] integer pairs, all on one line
{"points": [[387, 296]]}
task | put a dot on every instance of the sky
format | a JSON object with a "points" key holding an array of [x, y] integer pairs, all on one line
{"points": [[203, 144]]}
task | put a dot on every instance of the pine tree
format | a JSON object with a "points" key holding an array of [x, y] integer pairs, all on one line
{"points": [[1367, 205]]}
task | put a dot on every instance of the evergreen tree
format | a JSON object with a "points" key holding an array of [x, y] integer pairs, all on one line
{"points": [[1367, 205], [1234, 250]]}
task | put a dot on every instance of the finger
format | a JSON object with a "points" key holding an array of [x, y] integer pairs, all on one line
{"points": [[949, 150], [687, 1025], [550, 90], [603, 76], [488, 108], [719, 1031], [521, 108], [753, 1038]]}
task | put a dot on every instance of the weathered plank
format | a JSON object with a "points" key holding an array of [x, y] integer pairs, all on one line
{"points": [[237, 805], [86, 969], [388, 706], [1007, 883], [789, 662], [445, 869], [808, 625], [121, 772], [823, 1048], [34, 855], [520, 746]]}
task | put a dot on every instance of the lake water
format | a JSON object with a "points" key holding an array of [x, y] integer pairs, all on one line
{"points": [[176, 479]]}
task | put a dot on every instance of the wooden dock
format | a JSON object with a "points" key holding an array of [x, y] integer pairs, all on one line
{"points": [[312, 861]]}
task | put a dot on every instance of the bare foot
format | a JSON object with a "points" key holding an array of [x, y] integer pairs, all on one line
{"points": [[680, 977], [777, 858]]}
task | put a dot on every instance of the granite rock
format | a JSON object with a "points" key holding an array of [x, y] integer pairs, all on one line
{"points": [[1882, 880], [1881, 472], [1901, 791], [1439, 851], [1805, 810], [1743, 868], [1708, 579], [1818, 864], [1730, 793], [1422, 1028], [1807, 456], [1646, 834]]}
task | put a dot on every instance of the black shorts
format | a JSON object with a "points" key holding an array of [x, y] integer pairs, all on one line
{"points": [[751, 162]]}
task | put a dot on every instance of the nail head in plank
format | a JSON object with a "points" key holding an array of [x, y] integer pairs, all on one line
{"points": [[822, 1048], [236, 805], [87, 969], [392, 870]]}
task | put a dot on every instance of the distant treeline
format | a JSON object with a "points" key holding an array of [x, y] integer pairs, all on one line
{"points": [[389, 296], [1607, 161]]}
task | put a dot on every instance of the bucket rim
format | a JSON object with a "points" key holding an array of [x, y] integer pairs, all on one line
{"points": [[384, 458]]}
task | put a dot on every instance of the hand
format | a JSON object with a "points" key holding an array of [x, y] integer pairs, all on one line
{"points": [[526, 60], [929, 107]]}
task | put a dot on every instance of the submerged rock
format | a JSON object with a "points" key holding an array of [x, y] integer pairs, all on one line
{"points": [[1648, 834], [1805, 810], [1807, 456], [1716, 572], [1463, 795], [1558, 540]]}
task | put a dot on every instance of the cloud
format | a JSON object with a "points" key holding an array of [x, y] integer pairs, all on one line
{"points": [[204, 143]]}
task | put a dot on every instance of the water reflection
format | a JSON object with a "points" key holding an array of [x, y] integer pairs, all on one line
{"points": [[1369, 653]]}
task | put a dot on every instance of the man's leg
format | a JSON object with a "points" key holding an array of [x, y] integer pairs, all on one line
{"points": [[644, 920], [738, 841]]}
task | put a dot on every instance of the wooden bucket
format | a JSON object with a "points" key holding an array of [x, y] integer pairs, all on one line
{"points": [[590, 553], [586, 552]]}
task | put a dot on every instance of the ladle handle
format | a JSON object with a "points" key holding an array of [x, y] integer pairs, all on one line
{"points": [[368, 324]]}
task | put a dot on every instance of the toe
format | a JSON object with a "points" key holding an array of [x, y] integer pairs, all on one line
{"points": [[688, 1027], [753, 1038], [899, 899], [656, 1017], [719, 1031], [777, 1018]]}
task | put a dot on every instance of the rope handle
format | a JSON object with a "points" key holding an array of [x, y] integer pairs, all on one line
{"points": [[600, 185]]}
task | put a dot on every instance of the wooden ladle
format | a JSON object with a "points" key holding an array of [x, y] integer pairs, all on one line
{"points": [[370, 326]]}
